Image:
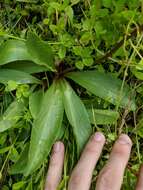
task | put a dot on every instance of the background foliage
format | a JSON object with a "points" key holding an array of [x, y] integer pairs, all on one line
{"points": [[84, 35]]}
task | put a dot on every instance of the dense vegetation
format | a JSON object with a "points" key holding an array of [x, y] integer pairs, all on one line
{"points": [[68, 68]]}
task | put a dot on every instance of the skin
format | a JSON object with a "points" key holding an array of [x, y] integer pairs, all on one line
{"points": [[109, 178]]}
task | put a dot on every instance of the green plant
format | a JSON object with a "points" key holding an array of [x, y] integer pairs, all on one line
{"points": [[98, 39], [59, 97]]}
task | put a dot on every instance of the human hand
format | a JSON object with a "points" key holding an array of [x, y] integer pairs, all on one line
{"points": [[110, 177]]}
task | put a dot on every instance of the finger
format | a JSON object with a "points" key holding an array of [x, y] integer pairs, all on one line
{"points": [[111, 176], [55, 167], [139, 185], [82, 173]]}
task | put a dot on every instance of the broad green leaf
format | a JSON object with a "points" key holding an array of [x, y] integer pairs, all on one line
{"points": [[12, 114], [13, 50], [18, 76], [35, 100], [105, 86], [19, 166], [25, 66], [46, 126], [77, 115], [40, 51], [102, 117], [16, 50]]}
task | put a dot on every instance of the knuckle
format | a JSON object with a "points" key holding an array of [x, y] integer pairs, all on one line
{"points": [[121, 152], [90, 149], [53, 161], [75, 180], [50, 186], [94, 147], [106, 179]]}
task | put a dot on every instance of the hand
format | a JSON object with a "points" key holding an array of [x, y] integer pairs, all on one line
{"points": [[110, 177]]}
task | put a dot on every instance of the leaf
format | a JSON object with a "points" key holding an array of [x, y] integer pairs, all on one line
{"points": [[102, 117], [30, 186], [27, 1], [69, 12], [35, 100], [139, 129], [18, 185], [19, 166], [138, 73], [46, 126], [13, 50], [61, 132], [18, 76], [86, 37], [40, 51], [25, 66], [16, 50], [13, 154], [74, 2], [34, 105], [79, 65], [107, 3], [105, 86], [62, 52], [11, 115], [77, 115], [87, 61], [11, 85], [139, 66], [5, 149]]}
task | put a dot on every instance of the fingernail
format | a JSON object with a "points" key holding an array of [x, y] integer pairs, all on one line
{"points": [[57, 147], [98, 136], [124, 139]]}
